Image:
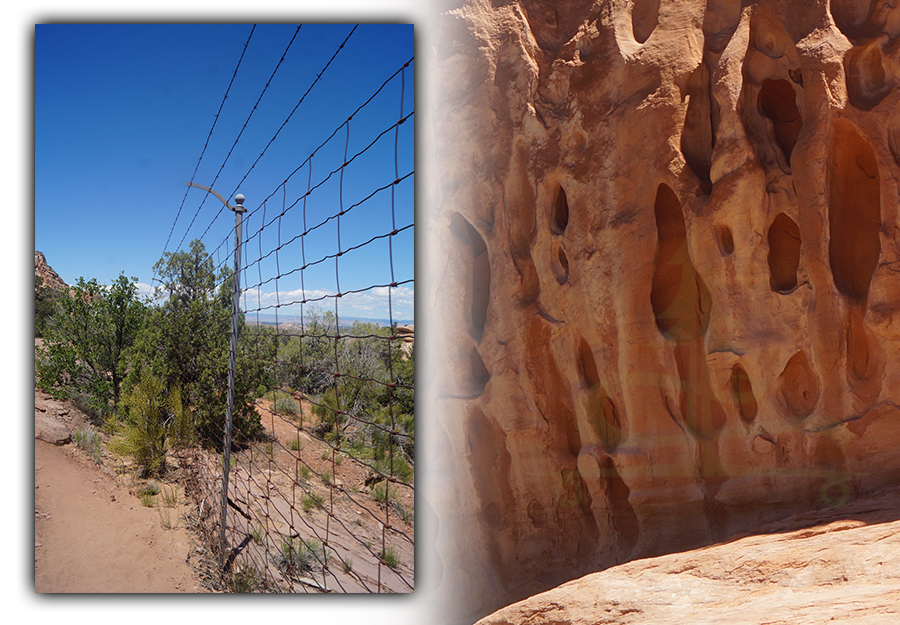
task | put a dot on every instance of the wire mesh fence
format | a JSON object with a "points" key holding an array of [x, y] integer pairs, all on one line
{"points": [[319, 495]]}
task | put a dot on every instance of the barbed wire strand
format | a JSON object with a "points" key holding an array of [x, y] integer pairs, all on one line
{"points": [[238, 138], [283, 124], [205, 146]]}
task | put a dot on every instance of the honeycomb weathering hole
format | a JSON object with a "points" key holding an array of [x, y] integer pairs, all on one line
{"points": [[560, 264], [602, 414], [862, 363], [680, 300], [489, 456], [725, 240], [476, 251], [605, 419], [867, 82], [697, 136], [784, 253], [479, 375], [865, 364], [778, 102], [587, 365], [743, 394], [559, 214], [622, 512], [799, 385], [854, 211], [720, 21], [644, 19]]}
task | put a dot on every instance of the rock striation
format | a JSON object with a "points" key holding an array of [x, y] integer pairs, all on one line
{"points": [[669, 277]]}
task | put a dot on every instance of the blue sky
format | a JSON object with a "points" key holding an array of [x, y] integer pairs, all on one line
{"points": [[122, 114]]}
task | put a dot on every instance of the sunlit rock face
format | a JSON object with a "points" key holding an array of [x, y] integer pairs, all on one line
{"points": [[50, 278], [668, 277]]}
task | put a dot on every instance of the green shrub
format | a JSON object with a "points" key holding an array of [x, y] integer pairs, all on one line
{"points": [[316, 549], [170, 497], [360, 450], [150, 488], [331, 417], [147, 493], [89, 441], [165, 518], [401, 468], [381, 492], [156, 421], [405, 515], [185, 343], [298, 556], [257, 534], [390, 556], [287, 405], [246, 579], [312, 500]]}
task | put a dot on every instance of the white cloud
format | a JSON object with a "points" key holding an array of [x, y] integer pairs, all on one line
{"points": [[144, 290], [372, 303], [369, 304]]}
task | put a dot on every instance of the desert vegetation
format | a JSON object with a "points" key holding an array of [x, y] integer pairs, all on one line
{"points": [[153, 373]]}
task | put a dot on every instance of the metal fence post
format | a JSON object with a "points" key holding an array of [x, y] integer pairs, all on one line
{"points": [[239, 211]]}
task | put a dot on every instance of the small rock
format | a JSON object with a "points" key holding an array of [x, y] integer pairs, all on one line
{"points": [[50, 430]]}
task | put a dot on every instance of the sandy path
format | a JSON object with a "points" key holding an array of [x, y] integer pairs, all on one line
{"points": [[92, 535]]}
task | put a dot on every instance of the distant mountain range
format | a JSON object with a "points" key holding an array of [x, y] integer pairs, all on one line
{"points": [[269, 320]]}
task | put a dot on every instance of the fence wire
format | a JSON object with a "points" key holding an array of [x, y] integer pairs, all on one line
{"points": [[321, 497]]}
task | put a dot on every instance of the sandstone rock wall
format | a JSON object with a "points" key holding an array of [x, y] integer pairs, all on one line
{"points": [[669, 276]]}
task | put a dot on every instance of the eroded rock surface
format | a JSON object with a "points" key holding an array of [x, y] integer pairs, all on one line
{"points": [[669, 277], [842, 568]]}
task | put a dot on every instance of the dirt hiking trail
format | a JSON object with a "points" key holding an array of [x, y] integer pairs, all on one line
{"points": [[93, 536]]}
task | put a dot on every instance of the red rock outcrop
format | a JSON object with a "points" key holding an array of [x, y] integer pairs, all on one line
{"points": [[45, 271], [668, 277], [407, 336]]}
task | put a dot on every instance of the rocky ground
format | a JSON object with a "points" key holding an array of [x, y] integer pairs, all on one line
{"points": [[268, 483], [840, 565]]}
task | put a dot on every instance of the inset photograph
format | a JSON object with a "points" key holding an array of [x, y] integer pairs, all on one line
{"points": [[224, 320]]}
